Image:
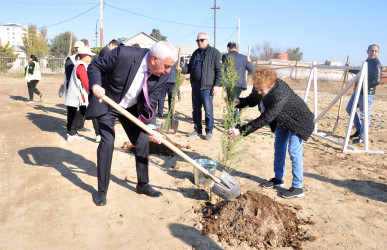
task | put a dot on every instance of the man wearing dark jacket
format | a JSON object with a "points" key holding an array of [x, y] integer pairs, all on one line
{"points": [[112, 45], [205, 67], [241, 64], [374, 76], [133, 78]]}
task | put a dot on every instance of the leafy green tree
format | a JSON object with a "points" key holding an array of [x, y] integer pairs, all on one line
{"points": [[7, 57], [96, 50], [60, 45], [295, 54], [156, 34], [122, 39], [232, 150], [36, 42]]}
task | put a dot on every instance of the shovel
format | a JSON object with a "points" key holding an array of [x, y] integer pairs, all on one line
{"points": [[224, 186], [173, 124]]}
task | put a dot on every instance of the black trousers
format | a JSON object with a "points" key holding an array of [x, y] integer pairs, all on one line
{"points": [[137, 137], [32, 89], [73, 118]]}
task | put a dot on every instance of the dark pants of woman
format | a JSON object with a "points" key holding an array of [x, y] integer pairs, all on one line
{"points": [[32, 88], [73, 118]]}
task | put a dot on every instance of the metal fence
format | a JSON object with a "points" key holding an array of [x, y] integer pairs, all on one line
{"points": [[49, 66]]}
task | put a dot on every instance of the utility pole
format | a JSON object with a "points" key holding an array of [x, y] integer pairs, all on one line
{"points": [[96, 33], [215, 8], [101, 28]]}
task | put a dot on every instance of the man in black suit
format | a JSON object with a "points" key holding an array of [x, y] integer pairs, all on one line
{"points": [[112, 45], [127, 83], [241, 64]]}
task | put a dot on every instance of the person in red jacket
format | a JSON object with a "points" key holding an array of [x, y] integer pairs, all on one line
{"points": [[77, 95]]}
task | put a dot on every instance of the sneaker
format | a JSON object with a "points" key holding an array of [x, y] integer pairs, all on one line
{"points": [[30, 101], [209, 136], [358, 141], [83, 129], [356, 134], [273, 182], [193, 134], [75, 137], [293, 193], [98, 138], [41, 97]]}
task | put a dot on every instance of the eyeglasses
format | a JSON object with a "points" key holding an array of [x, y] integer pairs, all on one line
{"points": [[200, 40]]}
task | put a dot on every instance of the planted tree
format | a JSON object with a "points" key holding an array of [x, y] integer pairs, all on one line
{"points": [[7, 57], [178, 82], [232, 150]]}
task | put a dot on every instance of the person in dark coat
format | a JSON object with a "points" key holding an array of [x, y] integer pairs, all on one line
{"points": [[288, 116], [374, 77], [167, 89], [205, 69], [112, 45], [133, 78], [241, 64]]}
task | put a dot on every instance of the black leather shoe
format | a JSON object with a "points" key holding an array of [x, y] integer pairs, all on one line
{"points": [[100, 198], [358, 141], [147, 190], [356, 134]]}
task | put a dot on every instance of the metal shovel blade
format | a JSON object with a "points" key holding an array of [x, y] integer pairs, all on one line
{"points": [[228, 188], [172, 127]]}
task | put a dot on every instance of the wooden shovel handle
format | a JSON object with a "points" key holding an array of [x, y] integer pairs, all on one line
{"points": [[163, 141]]}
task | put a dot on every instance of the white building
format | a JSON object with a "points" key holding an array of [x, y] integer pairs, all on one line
{"points": [[142, 39], [12, 33]]}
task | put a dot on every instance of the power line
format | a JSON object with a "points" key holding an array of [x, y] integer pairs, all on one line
{"points": [[193, 31], [227, 40], [163, 20], [72, 17]]}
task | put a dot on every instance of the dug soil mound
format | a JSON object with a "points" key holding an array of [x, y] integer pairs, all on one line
{"points": [[256, 219]]}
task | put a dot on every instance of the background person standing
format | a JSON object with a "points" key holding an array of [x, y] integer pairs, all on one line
{"points": [[241, 64], [205, 69], [374, 76], [33, 76]]}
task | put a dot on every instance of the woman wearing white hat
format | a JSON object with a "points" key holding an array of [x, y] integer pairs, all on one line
{"points": [[77, 93]]}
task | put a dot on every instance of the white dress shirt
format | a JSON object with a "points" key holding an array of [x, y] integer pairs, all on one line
{"points": [[130, 97]]}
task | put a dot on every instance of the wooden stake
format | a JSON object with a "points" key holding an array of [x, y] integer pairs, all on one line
{"points": [[71, 43], [341, 99]]}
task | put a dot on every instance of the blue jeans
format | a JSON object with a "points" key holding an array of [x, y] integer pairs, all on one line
{"points": [[359, 124], [202, 98], [283, 138]]}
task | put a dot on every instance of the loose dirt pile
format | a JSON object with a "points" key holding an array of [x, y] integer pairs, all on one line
{"points": [[256, 219]]}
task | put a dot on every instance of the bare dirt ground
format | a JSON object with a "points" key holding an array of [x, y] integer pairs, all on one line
{"points": [[47, 183]]}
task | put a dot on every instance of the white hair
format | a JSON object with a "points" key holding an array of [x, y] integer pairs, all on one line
{"points": [[205, 34], [163, 50]]}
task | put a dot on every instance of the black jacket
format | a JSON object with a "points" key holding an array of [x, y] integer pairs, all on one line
{"points": [[282, 107], [120, 67], [211, 69], [374, 75], [241, 64]]}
